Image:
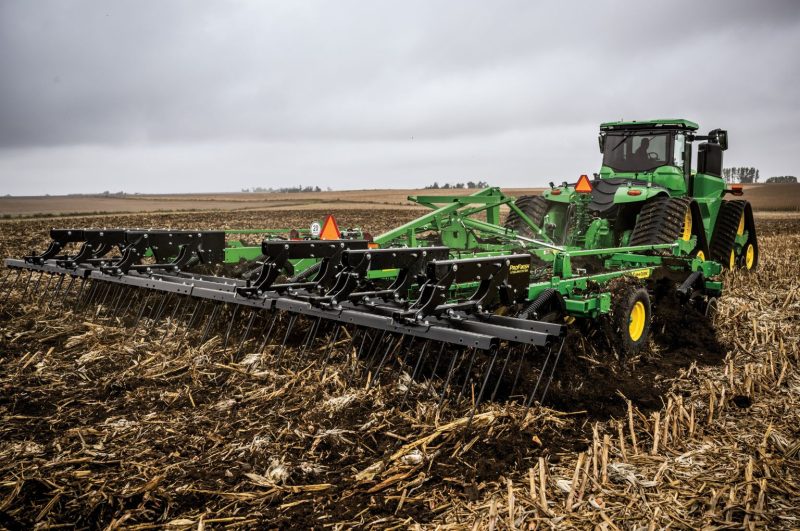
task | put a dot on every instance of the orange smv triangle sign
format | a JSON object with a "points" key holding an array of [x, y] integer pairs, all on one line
{"points": [[330, 230], [583, 186]]}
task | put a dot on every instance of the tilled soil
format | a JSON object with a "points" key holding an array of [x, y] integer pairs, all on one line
{"points": [[105, 426]]}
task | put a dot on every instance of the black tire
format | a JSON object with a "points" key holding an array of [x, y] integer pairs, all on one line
{"points": [[535, 207], [630, 298]]}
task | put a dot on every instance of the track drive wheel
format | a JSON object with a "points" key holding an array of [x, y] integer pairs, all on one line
{"points": [[735, 218], [668, 219], [631, 315], [535, 207]]}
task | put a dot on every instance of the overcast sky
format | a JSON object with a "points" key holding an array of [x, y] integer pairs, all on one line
{"points": [[180, 96]]}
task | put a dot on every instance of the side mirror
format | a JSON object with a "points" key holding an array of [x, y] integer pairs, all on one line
{"points": [[601, 140], [721, 136]]}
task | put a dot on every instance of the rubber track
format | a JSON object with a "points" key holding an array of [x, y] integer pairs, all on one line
{"points": [[660, 221], [730, 212], [535, 207]]}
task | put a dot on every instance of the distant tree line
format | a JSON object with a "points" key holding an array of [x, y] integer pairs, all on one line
{"points": [[447, 186], [744, 175], [288, 190], [782, 179]]}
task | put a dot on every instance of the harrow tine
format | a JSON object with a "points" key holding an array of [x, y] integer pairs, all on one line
{"points": [[141, 311], [182, 317], [81, 303], [5, 279], [168, 328], [292, 321], [11, 285], [435, 366], [46, 288], [269, 332], [209, 323], [312, 333], [114, 292], [230, 327], [363, 340], [399, 344], [450, 370], [160, 311], [24, 291], [105, 296], [373, 348], [120, 300], [529, 401], [502, 372], [36, 287], [253, 315], [189, 326], [57, 290], [80, 293], [67, 290], [486, 378], [328, 351], [483, 386], [414, 374], [468, 374], [553, 370], [519, 369], [407, 353]]}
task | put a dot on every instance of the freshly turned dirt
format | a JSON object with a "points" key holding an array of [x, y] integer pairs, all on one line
{"points": [[107, 426]]}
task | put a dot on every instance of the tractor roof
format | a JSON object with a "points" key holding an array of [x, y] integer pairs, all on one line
{"points": [[651, 124]]}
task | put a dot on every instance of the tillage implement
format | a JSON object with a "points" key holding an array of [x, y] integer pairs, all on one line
{"points": [[456, 302]]}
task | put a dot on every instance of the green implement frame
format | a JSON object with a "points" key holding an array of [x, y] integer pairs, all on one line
{"points": [[470, 225]]}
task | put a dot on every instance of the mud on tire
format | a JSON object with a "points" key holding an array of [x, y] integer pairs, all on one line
{"points": [[631, 316]]}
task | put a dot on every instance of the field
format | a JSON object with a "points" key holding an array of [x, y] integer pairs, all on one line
{"points": [[775, 197], [106, 427]]}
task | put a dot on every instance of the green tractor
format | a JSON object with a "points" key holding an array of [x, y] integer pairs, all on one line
{"points": [[647, 193]]}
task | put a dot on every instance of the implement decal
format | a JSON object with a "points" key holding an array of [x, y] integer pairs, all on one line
{"points": [[519, 268], [641, 273]]}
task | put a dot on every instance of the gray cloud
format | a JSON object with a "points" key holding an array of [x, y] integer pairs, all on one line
{"points": [[181, 95]]}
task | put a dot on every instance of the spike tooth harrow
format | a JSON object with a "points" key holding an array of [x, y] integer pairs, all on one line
{"points": [[414, 307]]}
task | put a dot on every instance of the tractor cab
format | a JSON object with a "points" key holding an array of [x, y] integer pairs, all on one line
{"points": [[659, 152]]}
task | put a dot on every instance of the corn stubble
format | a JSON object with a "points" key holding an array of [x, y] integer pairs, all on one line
{"points": [[105, 427]]}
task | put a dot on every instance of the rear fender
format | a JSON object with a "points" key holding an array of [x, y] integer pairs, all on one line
{"points": [[627, 194]]}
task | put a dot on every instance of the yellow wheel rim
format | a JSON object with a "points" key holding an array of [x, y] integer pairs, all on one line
{"points": [[733, 259], [749, 256], [700, 256], [687, 226], [636, 321], [740, 230]]}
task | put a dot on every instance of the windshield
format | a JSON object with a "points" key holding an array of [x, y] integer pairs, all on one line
{"points": [[636, 151]]}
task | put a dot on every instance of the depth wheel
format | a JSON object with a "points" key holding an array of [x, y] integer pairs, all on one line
{"points": [[631, 318]]}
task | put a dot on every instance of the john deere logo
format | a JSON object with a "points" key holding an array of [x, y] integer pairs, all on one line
{"points": [[519, 268], [641, 273]]}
